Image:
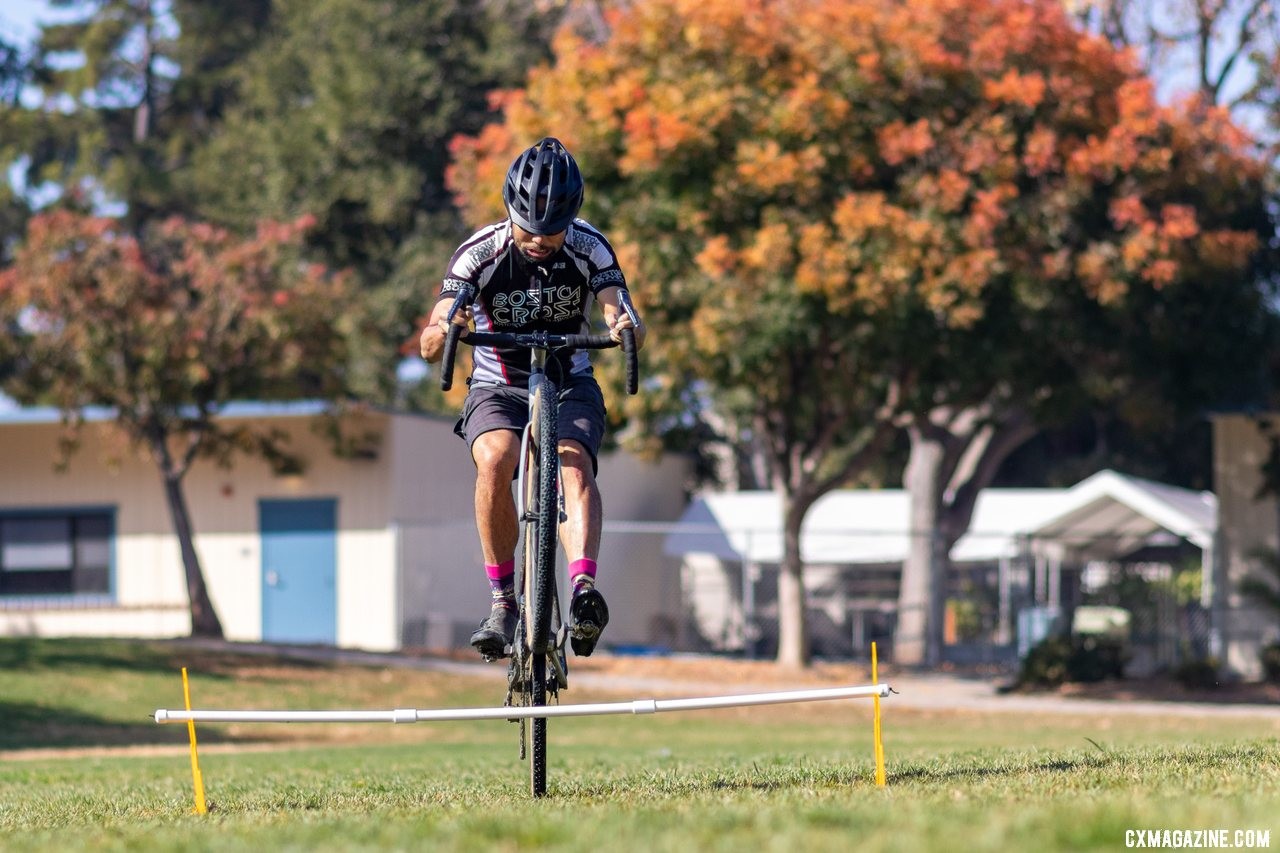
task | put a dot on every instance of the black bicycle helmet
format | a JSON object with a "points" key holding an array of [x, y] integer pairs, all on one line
{"points": [[543, 191]]}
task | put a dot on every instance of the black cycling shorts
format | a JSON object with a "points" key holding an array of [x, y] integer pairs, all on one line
{"points": [[582, 412]]}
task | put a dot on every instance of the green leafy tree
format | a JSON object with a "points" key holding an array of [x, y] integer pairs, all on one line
{"points": [[166, 327], [344, 112], [236, 111], [127, 89], [15, 71], [843, 219]]}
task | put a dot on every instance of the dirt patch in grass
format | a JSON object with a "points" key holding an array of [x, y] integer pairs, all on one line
{"points": [[142, 750], [726, 671], [698, 669], [1169, 690]]}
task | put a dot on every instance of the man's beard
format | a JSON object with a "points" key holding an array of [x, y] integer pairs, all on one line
{"points": [[526, 262]]}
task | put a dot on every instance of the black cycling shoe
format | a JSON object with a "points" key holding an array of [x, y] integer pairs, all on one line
{"points": [[495, 633], [588, 615]]}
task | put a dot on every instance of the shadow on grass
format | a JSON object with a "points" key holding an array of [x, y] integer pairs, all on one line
{"points": [[774, 779], [35, 726], [30, 721], [948, 774], [30, 653], [162, 657]]}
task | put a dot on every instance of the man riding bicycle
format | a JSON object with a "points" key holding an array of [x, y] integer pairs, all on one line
{"points": [[538, 270]]}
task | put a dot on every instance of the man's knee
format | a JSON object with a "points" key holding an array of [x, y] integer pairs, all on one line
{"points": [[575, 461], [496, 454]]}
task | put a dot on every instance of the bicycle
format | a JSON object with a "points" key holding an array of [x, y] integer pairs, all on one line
{"points": [[538, 648]]}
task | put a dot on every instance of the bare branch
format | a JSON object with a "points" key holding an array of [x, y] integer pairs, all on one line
{"points": [[1244, 41], [844, 471], [961, 495]]}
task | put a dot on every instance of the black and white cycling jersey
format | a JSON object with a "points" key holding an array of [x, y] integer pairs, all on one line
{"points": [[515, 294]]}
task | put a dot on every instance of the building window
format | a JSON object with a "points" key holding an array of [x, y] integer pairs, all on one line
{"points": [[55, 553]]}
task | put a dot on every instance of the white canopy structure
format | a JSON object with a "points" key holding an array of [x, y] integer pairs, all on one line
{"points": [[1110, 515], [1103, 517]]}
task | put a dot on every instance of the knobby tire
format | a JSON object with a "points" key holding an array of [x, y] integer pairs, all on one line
{"points": [[543, 578]]}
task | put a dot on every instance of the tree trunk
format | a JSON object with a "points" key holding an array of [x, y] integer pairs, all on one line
{"points": [[954, 456], [144, 117], [793, 618], [204, 619], [918, 636]]}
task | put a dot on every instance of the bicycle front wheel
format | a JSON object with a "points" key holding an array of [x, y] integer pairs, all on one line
{"points": [[541, 544]]}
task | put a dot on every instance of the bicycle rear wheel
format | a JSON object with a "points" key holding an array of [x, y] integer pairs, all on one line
{"points": [[540, 551]]}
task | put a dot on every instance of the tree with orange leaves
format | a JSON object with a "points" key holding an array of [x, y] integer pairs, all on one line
{"points": [[849, 218], [165, 328]]}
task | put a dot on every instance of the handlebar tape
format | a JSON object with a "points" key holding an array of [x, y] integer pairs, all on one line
{"points": [[633, 369], [451, 337]]}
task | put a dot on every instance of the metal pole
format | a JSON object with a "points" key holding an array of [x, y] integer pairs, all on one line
{"points": [[412, 715], [1055, 581], [1004, 631], [1041, 581]]}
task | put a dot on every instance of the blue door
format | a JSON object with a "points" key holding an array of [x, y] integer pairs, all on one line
{"points": [[299, 569]]}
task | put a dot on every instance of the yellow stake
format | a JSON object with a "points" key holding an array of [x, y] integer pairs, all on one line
{"points": [[196, 779], [875, 702]]}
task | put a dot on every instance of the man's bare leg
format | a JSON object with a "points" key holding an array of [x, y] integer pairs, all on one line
{"points": [[496, 454], [580, 536]]}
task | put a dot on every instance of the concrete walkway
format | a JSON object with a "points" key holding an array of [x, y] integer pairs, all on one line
{"points": [[918, 691]]}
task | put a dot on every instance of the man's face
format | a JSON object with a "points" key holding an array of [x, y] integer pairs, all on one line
{"points": [[536, 247]]}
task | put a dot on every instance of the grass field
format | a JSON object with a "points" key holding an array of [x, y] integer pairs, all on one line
{"points": [[786, 778]]}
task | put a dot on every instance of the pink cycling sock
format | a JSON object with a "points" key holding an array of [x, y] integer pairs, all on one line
{"points": [[502, 584], [582, 572]]}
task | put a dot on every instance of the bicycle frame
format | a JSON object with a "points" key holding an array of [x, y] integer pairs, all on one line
{"points": [[538, 646], [538, 669], [528, 511]]}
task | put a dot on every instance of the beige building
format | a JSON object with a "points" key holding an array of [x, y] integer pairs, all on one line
{"points": [[1248, 530], [376, 552]]}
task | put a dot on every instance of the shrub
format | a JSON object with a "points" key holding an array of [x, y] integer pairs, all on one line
{"points": [[1057, 660], [1095, 658], [1046, 663], [1198, 674], [1271, 662]]}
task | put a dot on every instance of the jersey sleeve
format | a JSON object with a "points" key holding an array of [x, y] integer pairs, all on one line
{"points": [[467, 263], [602, 265], [610, 276], [460, 271]]}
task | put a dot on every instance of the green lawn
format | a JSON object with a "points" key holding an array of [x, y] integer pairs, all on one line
{"points": [[787, 778]]}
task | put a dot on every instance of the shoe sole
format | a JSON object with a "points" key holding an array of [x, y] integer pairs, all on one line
{"points": [[491, 646], [584, 640], [588, 625]]}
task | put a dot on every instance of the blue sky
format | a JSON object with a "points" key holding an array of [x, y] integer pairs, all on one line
{"points": [[18, 18]]}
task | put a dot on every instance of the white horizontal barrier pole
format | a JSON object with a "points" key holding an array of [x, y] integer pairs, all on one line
{"points": [[412, 715]]}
